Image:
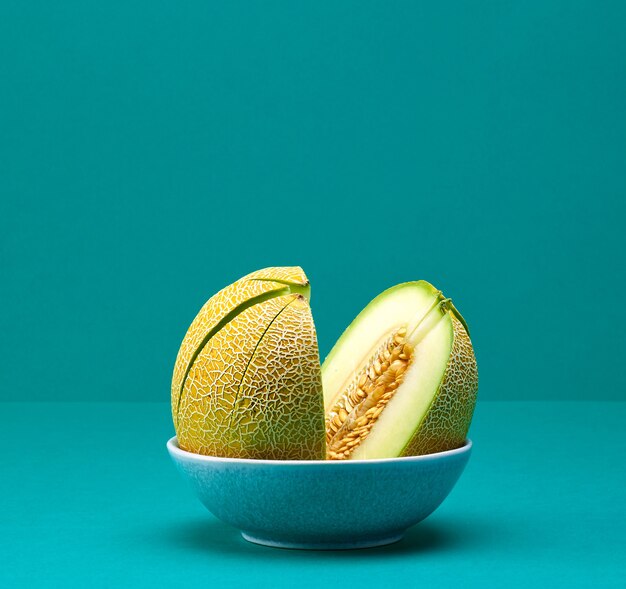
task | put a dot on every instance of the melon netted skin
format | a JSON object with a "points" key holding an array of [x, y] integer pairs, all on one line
{"points": [[247, 380]]}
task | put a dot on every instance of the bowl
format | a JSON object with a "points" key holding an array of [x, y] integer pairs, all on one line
{"points": [[318, 504]]}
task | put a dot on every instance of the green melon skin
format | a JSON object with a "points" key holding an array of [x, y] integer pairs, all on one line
{"points": [[432, 409]]}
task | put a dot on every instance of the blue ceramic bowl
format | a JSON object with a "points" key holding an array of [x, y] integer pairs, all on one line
{"points": [[320, 504]]}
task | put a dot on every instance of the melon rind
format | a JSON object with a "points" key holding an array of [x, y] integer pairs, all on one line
{"points": [[447, 422], [213, 383], [253, 388], [268, 282], [279, 413]]}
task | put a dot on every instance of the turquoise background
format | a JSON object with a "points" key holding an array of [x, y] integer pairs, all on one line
{"points": [[153, 152]]}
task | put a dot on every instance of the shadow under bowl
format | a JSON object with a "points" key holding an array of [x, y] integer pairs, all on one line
{"points": [[318, 504]]}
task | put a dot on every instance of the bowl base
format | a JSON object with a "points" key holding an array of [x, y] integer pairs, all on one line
{"points": [[346, 545]]}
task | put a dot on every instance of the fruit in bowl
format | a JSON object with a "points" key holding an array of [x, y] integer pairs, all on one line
{"points": [[400, 381]]}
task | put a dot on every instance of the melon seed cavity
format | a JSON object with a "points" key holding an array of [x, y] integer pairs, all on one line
{"points": [[353, 415]]}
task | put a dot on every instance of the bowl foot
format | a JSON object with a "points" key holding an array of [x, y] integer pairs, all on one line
{"points": [[339, 545]]}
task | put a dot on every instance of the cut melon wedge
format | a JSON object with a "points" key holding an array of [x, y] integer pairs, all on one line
{"points": [[428, 405]]}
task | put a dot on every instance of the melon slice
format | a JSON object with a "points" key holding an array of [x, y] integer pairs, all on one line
{"points": [[402, 379]]}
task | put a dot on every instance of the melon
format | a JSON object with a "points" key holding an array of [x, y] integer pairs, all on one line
{"points": [[402, 379], [247, 381]]}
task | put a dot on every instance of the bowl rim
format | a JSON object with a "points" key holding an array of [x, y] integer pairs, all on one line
{"points": [[175, 450]]}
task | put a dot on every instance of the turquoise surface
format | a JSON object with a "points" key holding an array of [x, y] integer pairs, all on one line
{"points": [[89, 497], [152, 152]]}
